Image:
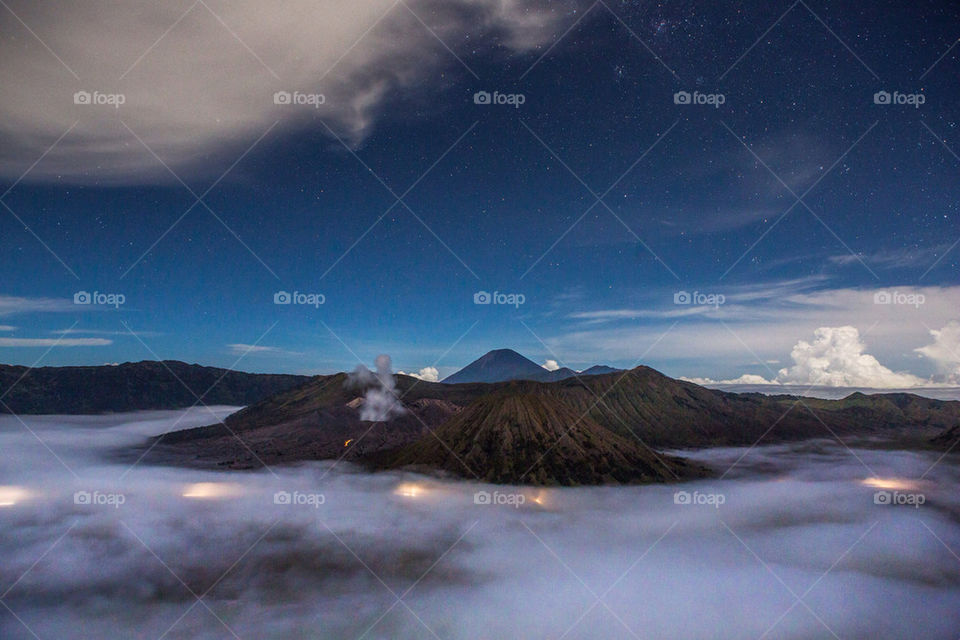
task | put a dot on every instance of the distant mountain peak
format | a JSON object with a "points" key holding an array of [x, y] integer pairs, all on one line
{"points": [[501, 365]]}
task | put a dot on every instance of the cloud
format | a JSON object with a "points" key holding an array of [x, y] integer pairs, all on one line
{"points": [[200, 85], [945, 350], [550, 365], [240, 348], [11, 305], [756, 323], [898, 258], [747, 378], [101, 332], [52, 342], [7, 327], [427, 374], [835, 358]]}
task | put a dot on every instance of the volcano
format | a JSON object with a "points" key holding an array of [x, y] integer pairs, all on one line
{"points": [[519, 435]]}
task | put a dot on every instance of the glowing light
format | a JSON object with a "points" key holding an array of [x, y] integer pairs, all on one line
{"points": [[210, 490], [541, 498], [347, 443], [894, 484], [409, 490], [10, 496]]}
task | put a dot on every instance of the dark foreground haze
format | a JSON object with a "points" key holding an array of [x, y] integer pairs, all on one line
{"points": [[809, 540]]}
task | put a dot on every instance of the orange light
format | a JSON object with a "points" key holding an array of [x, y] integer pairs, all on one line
{"points": [[347, 443], [408, 490], [210, 490], [894, 484]]}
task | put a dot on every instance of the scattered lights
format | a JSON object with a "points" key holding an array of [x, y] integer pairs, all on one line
{"points": [[10, 496], [409, 490], [895, 484], [210, 490]]}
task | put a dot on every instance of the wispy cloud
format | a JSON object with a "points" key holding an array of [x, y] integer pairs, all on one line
{"points": [[899, 258], [238, 57], [241, 349], [52, 342], [103, 332], [11, 305], [763, 323]]}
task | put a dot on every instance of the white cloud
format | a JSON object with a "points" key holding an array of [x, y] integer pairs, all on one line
{"points": [[759, 323], [945, 350], [7, 327], [427, 374], [550, 365], [200, 86], [244, 349], [52, 342], [101, 332], [747, 378], [836, 358], [10, 305]]}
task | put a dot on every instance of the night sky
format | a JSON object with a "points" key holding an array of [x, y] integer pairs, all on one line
{"points": [[598, 199]]}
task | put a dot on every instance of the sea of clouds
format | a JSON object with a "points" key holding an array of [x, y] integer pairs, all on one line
{"points": [[792, 542]]}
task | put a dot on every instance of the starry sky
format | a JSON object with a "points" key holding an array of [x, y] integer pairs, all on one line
{"points": [[789, 194]]}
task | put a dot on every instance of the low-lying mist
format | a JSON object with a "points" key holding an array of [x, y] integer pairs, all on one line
{"points": [[810, 540]]}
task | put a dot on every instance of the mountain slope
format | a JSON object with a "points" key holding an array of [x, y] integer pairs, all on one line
{"points": [[132, 386], [530, 438]]}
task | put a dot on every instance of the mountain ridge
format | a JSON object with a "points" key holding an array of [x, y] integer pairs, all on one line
{"points": [[133, 386], [321, 420]]}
